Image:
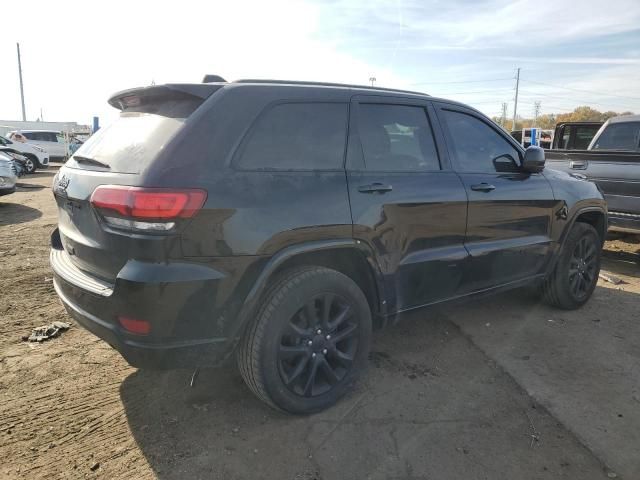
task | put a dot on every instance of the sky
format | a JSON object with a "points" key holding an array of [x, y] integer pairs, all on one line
{"points": [[75, 54]]}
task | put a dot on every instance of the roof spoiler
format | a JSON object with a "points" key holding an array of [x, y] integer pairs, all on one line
{"points": [[133, 97]]}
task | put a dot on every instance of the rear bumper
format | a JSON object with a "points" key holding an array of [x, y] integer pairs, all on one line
{"points": [[141, 353], [624, 222], [191, 320]]}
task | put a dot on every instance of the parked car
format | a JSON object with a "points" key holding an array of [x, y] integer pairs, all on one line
{"points": [[281, 221], [37, 158], [8, 177], [612, 161], [20, 162], [574, 135], [51, 141]]}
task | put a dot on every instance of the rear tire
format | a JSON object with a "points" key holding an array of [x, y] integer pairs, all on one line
{"points": [[309, 341], [575, 275]]}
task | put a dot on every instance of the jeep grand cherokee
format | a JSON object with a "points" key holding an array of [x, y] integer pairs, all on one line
{"points": [[281, 221]]}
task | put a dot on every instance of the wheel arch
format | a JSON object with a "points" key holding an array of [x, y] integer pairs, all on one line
{"points": [[347, 256], [595, 217]]}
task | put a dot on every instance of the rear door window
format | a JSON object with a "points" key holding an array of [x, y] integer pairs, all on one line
{"points": [[296, 136], [396, 138], [619, 136]]}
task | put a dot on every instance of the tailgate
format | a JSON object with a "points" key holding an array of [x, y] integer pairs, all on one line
{"points": [[92, 246], [119, 155]]}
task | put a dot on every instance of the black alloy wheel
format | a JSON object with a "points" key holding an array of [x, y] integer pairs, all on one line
{"points": [[309, 340], [318, 345], [583, 267], [575, 274]]}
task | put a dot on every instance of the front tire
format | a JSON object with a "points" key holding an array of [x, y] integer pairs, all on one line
{"points": [[575, 275], [30, 164], [309, 341]]}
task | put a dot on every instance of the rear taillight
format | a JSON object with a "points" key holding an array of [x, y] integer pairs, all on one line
{"points": [[146, 208]]}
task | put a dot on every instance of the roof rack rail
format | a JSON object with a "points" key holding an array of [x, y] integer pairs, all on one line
{"points": [[326, 84]]}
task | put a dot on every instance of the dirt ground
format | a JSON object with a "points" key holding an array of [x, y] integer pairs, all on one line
{"points": [[498, 388]]}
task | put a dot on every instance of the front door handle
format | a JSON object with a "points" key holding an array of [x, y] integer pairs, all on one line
{"points": [[578, 164], [375, 188], [482, 187]]}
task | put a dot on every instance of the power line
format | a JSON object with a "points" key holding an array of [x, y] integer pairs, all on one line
{"points": [[484, 102], [464, 81], [582, 91], [549, 106], [493, 90], [600, 104]]}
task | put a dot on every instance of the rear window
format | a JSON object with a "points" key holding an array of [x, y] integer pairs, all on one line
{"points": [[584, 135], [130, 143], [297, 136], [619, 136]]}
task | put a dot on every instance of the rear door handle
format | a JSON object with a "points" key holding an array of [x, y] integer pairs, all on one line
{"points": [[375, 188], [482, 187], [578, 164]]}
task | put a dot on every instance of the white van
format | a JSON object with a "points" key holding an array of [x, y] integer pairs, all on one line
{"points": [[53, 142]]}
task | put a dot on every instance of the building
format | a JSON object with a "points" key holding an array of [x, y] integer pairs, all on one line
{"points": [[66, 127]]}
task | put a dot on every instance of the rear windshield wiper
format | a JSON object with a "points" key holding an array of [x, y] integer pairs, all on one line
{"points": [[91, 161]]}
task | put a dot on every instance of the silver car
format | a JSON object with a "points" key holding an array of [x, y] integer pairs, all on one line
{"points": [[8, 176]]}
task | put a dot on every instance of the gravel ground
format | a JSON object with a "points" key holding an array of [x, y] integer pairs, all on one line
{"points": [[500, 388]]}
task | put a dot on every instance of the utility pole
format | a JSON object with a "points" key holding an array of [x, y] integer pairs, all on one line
{"points": [[24, 115], [503, 120], [515, 105], [372, 80], [536, 112]]}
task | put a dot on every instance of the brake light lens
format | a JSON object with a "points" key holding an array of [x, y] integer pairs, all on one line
{"points": [[156, 204], [133, 325]]}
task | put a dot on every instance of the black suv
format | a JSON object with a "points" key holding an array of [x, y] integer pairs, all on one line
{"points": [[282, 221]]}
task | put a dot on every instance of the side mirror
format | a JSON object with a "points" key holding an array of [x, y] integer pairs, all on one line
{"points": [[533, 159]]}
